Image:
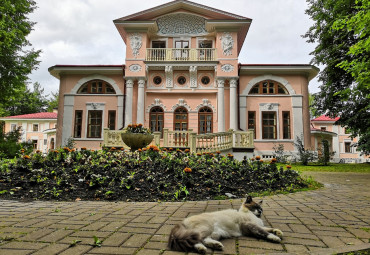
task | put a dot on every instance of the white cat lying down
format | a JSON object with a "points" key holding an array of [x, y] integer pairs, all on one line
{"points": [[205, 230]]}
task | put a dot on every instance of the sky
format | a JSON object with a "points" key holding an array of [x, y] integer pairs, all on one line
{"points": [[81, 32]]}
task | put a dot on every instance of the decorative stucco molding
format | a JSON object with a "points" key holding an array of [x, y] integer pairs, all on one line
{"points": [[268, 77], [227, 43], [205, 102], [141, 83], [135, 43], [135, 68], [193, 76], [157, 102], [95, 106], [181, 24], [220, 83], [227, 68], [129, 83], [96, 77], [169, 76], [269, 107], [181, 103]]}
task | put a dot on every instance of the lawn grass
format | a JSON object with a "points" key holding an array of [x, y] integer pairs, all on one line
{"points": [[332, 167]]}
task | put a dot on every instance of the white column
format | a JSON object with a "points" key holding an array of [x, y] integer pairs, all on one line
{"points": [[128, 106], [233, 105], [140, 102], [220, 105]]}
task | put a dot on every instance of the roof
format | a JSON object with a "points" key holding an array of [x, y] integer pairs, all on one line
{"points": [[40, 115], [325, 118], [57, 70]]}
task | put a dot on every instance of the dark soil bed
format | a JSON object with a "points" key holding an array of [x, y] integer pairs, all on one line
{"points": [[149, 175]]}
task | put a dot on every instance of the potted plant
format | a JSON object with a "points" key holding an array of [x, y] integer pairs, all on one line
{"points": [[136, 136]]}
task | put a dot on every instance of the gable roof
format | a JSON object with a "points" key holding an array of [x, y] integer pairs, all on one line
{"points": [[177, 5], [325, 118], [40, 115]]}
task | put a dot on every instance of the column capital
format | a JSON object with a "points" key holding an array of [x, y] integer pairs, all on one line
{"points": [[233, 83], [129, 83], [141, 83], [220, 83]]}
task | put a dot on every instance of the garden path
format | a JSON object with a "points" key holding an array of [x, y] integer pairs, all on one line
{"points": [[333, 219]]}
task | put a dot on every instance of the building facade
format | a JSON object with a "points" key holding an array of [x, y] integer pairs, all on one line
{"points": [[36, 128], [182, 72]]}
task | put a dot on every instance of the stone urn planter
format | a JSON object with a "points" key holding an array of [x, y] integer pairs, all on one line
{"points": [[136, 140]]}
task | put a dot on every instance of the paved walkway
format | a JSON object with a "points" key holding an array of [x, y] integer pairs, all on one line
{"points": [[333, 219]]}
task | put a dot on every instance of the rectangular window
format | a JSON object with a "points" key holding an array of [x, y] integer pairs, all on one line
{"points": [[286, 125], [323, 128], [252, 122], [347, 147], [34, 143], [35, 127], [268, 125], [112, 120], [13, 127], [78, 124], [94, 124]]}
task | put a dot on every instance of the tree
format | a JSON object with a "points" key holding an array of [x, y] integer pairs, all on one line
{"points": [[27, 102], [53, 101], [16, 59], [341, 30]]}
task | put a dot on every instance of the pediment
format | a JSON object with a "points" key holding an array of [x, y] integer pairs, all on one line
{"points": [[181, 5]]}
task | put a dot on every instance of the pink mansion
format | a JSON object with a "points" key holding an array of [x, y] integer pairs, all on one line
{"points": [[182, 74]]}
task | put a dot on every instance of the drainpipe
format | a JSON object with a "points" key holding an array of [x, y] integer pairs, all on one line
{"points": [[238, 96], [124, 96]]}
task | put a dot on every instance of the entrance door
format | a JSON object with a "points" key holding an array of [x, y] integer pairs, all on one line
{"points": [[181, 124]]}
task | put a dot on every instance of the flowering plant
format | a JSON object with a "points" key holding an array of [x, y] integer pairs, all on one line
{"points": [[137, 129]]}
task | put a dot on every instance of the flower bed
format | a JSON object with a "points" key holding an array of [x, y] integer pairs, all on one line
{"points": [[148, 174]]}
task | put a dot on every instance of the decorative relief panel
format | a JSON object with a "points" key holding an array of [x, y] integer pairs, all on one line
{"points": [[169, 76], [135, 68], [269, 107], [227, 43], [205, 103], [157, 102], [135, 43], [227, 68], [193, 76], [181, 103], [181, 24]]}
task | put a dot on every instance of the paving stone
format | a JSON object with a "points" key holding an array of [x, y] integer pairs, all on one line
{"points": [[291, 240], [246, 250], [299, 228], [152, 252], [14, 252], [112, 250], [23, 245], [332, 241], [116, 239], [37, 234], [56, 236], [51, 249], [136, 240], [296, 249], [76, 250], [156, 245]]}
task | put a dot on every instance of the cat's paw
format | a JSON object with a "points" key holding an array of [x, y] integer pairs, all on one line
{"points": [[200, 248], [273, 238], [217, 246], [277, 232]]}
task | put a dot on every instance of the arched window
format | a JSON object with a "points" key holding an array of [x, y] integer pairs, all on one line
{"points": [[269, 87], [156, 119], [180, 119], [96, 87], [205, 120]]}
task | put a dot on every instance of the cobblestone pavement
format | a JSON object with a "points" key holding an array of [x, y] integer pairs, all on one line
{"points": [[333, 219]]}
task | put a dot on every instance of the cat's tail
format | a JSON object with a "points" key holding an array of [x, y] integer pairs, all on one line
{"points": [[182, 239]]}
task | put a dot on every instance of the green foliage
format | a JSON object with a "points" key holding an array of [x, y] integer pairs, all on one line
{"points": [[333, 167], [341, 31], [279, 153], [326, 155], [16, 62], [70, 143], [53, 101], [9, 143], [305, 156], [146, 175]]}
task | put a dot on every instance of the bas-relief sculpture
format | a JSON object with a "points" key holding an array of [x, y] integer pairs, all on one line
{"points": [[135, 43], [227, 43], [181, 24]]}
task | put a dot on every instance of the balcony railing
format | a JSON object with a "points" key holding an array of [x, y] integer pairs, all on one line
{"points": [[211, 142], [184, 54]]}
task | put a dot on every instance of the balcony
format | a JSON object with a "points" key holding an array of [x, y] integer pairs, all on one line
{"points": [[185, 54]]}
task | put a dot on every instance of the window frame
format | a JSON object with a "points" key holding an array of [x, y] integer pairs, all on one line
{"points": [[205, 114], [33, 127], [288, 126], [264, 134], [252, 125], [156, 114], [112, 119], [99, 125], [274, 88], [177, 112], [90, 87], [77, 124], [347, 147]]}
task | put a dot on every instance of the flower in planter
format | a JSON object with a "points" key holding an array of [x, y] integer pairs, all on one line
{"points": [[136, 129], [187, 170]]}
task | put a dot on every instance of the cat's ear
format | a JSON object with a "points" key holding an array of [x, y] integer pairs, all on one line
{"points": [[248, 200], [260, 202]]}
